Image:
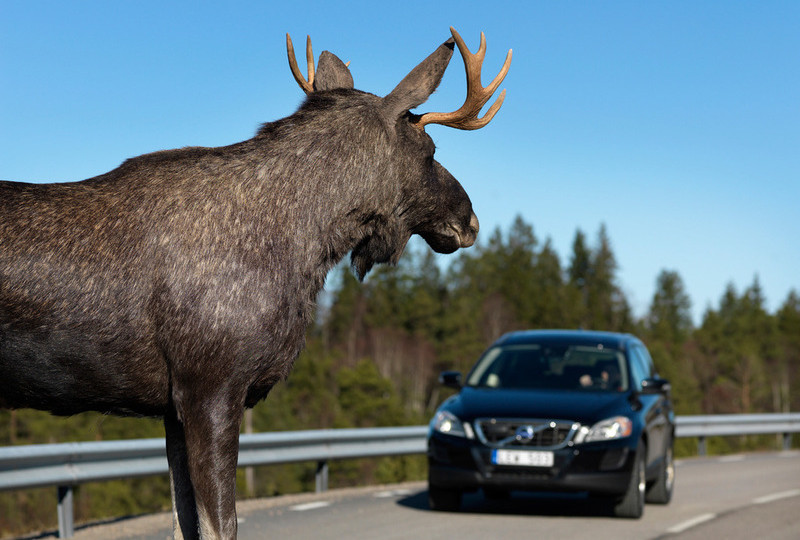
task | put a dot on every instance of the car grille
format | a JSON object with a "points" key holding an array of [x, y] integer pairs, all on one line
{"points": [[524, 432]]}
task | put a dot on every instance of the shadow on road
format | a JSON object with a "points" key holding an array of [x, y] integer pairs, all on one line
{"points": [[53, 533], [521, 503]]}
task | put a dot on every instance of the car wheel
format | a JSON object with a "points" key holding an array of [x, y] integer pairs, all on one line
{"points": [[661, 490], [632, 503], [443, 500]]}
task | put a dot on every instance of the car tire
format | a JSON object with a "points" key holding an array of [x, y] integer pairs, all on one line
{"points": [[660, 492], [632, 503], [443, 500]]}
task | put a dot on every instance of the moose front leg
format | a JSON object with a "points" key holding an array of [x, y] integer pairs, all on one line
{"points": [[184, 510], [205, 444]]}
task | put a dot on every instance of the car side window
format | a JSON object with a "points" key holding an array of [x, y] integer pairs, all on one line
{"points": [[648, 361], [640, 366]]}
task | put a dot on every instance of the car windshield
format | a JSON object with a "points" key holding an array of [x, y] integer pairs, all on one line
{"points": [[556, 367]]}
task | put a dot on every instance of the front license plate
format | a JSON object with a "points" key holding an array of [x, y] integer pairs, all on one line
{"points": [[522, 458]]}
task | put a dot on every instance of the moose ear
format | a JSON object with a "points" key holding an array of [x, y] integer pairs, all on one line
{"points": [[415, 88], [332, 73]]}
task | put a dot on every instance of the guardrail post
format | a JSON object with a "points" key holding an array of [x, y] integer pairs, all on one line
{"points": [[322, 476], [787, 441], [701, 446], [66, 524]]}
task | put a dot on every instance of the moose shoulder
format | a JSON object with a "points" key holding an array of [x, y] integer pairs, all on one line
{"points": [[181, 283]]}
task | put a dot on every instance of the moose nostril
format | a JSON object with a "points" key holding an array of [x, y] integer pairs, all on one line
{"points": [[468, 237], [473, 223]]}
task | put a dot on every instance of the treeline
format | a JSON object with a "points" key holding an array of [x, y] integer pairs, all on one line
{"points": [[373, 356]]}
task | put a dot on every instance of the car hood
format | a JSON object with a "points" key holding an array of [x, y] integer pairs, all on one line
{"points": [[581, 406]]}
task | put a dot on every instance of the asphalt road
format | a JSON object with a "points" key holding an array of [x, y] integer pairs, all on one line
{"points": [[733, 497]]}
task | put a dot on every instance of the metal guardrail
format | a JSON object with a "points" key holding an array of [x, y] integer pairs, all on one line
{"points": [[729, 425], [69, 464], [41, 465]]}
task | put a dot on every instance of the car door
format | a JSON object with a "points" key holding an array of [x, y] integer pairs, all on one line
{"points": [[656, 407]]}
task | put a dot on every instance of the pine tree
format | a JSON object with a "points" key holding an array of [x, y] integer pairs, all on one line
{"points": [[669, 319], [668, 327], [786, 379], [516, 271], [608, 307], [578, 281], [549, 299]]}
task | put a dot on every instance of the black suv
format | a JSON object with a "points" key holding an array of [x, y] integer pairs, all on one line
{"points": [[556, 410]]}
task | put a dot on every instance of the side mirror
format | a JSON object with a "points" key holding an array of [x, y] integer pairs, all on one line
{"points": [[451, 379], [656, 385]]}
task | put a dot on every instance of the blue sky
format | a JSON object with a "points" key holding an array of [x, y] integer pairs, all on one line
{"points": [[675, 124]]}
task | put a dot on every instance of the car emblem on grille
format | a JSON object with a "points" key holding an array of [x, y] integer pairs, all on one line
{"points": [[525, 433]]}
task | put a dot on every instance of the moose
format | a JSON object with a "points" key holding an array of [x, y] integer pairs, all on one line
{"points": [[180, 284]]}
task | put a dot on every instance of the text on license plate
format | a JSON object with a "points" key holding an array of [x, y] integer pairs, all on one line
{"points": [[522, 458]]}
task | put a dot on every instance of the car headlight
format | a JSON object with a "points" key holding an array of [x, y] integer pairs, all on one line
{"points": [[617, 427], [449, 424]]}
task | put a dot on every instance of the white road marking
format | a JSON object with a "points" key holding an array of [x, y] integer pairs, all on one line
{"points": [[688, 524], [777, 496], [695, 521], [309, 506], [731, 459]]}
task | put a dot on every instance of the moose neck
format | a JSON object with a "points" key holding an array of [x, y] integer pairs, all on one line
{"points": [[329, 173]]}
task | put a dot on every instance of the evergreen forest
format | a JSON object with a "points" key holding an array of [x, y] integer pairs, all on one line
{"points": [[373, 357]]}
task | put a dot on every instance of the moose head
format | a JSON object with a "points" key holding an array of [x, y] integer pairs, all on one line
{"points": [[433, 203]]}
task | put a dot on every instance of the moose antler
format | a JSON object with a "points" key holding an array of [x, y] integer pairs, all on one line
{"points": [[467, 116], [306, 85]]}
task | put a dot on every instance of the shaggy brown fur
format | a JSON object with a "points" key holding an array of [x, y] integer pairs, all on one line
{"points": [[181, 283]]}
